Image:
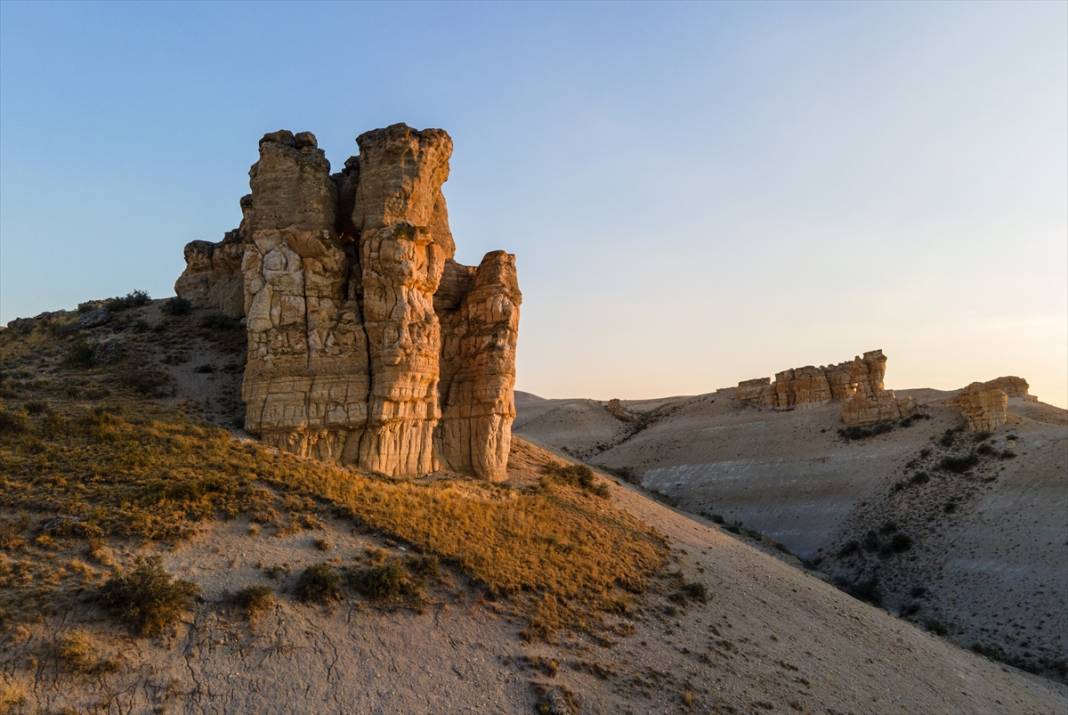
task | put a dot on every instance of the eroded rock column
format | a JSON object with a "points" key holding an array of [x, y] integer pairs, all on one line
{"points": [[478, 366], [306, 379], [404, 243]]}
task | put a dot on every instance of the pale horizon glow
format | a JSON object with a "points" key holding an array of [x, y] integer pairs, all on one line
{"points": [[697, 194]]}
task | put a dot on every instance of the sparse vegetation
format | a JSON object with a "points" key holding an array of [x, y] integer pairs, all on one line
{"points": [[78, 652], [390, 582], [79, 354], [254, 601], [177, 306], [576, 475], [320, 583], [958, 464], [146, 598], [133, 299], [860, 432]]}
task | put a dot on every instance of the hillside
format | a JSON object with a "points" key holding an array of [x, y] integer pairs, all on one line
{"points": [[979, 556], [293, 585]]}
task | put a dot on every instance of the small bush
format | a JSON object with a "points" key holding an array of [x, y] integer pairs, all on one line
{"points": [[851, 433], [920, 478], [958, 464], [133, 299], [78, 653], [949, 436], [390, 581], [692, 591], [985, 449], [205, 369], [866, 590], [254, 601], [38, 408], [147, 598], [147, 381], [900, 543], [1007, 454], [13, 422], [918, 592], [177, 306], [320, 583], [849, 549], [981, 436], [577, 475], [935, 626], [79, 354]]}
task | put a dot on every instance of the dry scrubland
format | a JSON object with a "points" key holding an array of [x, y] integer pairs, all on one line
{"points": [[155, 559]]}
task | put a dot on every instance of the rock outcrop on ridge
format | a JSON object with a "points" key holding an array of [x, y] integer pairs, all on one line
{"points": [[857, 383], [367, 344], [983, 405]]}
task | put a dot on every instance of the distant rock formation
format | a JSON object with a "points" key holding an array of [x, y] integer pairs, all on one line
{"points": [[983, 406], [1013, 386], [367, 344], [857, 383]]}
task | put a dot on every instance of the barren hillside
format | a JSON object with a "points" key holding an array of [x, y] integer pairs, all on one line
{"points": [[901, 518], [293, 585]]}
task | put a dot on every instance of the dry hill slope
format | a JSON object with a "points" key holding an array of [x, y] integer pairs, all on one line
{"points": [[324, 589], [978, 555]]}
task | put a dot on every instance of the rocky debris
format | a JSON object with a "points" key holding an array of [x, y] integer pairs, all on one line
{"points": [[94, 318], [367, 344], [811, 385], [983, 406]]}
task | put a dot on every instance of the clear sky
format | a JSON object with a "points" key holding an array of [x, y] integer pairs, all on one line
{"points": [[697, 193]]}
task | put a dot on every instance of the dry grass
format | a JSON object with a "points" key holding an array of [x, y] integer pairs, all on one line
{"points": [[78, 652], [76, 477]]}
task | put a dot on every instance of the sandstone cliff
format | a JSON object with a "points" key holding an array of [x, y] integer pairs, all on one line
{"points": [[367, 343], [984, 405]]}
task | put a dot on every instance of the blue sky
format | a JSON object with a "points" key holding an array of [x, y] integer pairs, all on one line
{"points": [[697, 193]]}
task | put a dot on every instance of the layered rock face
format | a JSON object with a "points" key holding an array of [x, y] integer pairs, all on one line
{"points": [[857, 383], [307, 377], [809, 385], [983, 406], [212, 277], [1012, 386], [478, 369], [367, 344]]}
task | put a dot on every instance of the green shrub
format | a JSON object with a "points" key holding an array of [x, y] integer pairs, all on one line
{"points": [[177, 306], [13, 422], [147, 598], [393, 581], [958, 464], [320, 583], [79, 354], [576, 475], [851, 433], [133, 299]]}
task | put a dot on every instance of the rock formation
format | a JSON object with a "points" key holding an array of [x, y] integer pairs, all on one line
{"points": [[367, 344], [1012, 386], [212, 277], [810, 385], [984, 406], [857, 383]]}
